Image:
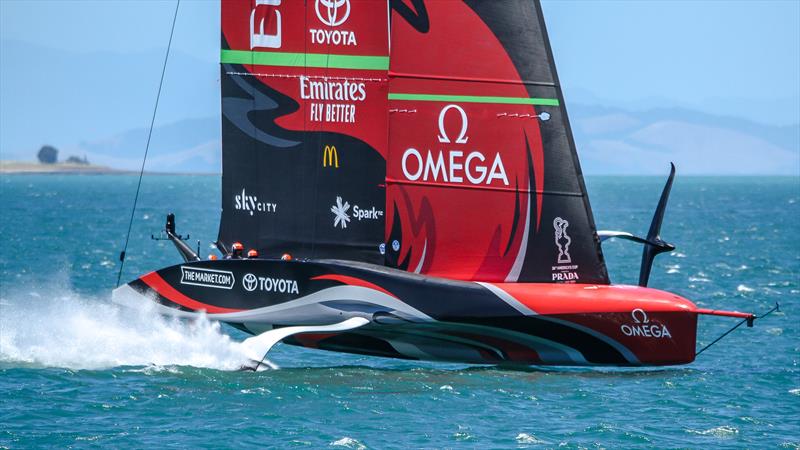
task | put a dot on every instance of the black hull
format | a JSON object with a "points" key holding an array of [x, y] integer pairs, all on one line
{"points": [[419, 317]]}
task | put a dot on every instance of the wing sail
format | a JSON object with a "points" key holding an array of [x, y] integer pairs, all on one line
{"points": [[483, 177], [304, 99]]}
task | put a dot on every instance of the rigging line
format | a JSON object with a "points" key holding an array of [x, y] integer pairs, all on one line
{"points": [[147, 146], [777, 307]]}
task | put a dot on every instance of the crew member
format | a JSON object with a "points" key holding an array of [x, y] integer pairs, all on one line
{"points": [[252, 253], [236, 250]]}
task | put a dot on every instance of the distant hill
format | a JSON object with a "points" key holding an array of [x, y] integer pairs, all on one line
{"points": [[617, 141], [191, 145], [100, 103], [609, 141]]}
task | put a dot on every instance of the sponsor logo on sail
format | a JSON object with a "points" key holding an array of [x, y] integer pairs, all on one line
{"points": [[564, 270], [339, 97], [251, 204], [258, 38], [252, 282], [341, 217], [196, 276], [562, 240], [332, 13], [453, 165], [330, 157], [642, 327]]}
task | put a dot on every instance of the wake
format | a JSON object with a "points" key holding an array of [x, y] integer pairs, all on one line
{"points": [[78, 332]]}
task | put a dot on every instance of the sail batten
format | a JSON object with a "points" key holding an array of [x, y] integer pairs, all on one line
{"points": [[316, 60]]}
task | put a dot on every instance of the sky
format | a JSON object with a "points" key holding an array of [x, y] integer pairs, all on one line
{"points": [[687, 52], [730, 58], [682, 52]]}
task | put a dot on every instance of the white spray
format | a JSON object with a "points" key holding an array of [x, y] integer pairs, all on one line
{"points": [[71, 331]]}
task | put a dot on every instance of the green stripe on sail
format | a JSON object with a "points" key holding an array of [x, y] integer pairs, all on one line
{"points": [[305, 60], [474, 99]]}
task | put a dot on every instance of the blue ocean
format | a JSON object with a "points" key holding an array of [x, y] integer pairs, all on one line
{"points": [[78, 371]]}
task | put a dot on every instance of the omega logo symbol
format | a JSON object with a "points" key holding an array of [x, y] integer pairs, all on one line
{"points": [[639, 316], [462, 136], [249, 281], [332, 17]]}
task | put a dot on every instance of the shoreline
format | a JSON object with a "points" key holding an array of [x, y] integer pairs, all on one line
{"points": [[30, 168]]}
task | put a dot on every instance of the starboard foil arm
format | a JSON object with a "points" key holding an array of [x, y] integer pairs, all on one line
{"points": [[257, 347], [653, 244], [605, 235]]}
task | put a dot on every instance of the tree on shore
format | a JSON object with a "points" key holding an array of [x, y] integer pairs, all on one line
{"points": [[47, 155]]}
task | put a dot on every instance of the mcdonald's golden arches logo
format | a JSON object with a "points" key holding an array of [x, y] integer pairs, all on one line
{"points": [[330, 157]]}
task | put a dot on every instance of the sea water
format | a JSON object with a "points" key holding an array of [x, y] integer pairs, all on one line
{"points": [[77, 371]]}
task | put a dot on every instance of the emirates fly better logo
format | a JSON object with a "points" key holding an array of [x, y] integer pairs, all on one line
{"points": [[335, 12]]}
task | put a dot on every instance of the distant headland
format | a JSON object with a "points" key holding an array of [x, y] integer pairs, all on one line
{"points": [[8, 167], [48, 163]]}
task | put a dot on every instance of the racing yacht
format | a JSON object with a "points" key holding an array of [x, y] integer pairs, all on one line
{"points": [[404, 179]]}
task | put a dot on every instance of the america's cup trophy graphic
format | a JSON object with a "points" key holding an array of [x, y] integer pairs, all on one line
{"points": [[562, 240]]}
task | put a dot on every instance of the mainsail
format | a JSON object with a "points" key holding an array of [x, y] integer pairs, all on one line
{"points": [[425, 135], [304, 100]]}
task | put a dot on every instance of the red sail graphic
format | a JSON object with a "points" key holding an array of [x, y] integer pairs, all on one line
{"points": [[456, 147], [482, 176]]}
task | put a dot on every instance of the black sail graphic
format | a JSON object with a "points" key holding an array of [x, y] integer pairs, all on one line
{"points": [[566, 218]]}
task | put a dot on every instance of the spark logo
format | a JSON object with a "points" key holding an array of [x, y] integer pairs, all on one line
{"points": [[340, 216]]}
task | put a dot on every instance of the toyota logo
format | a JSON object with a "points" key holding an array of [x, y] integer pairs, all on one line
{"points": [[333, 15], [250, 282]]}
